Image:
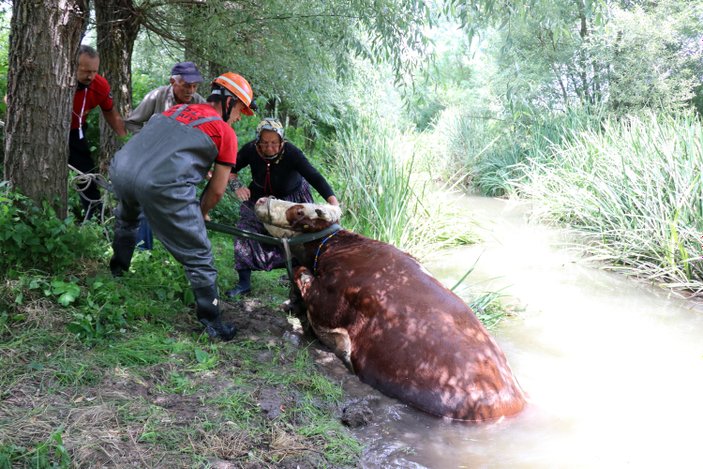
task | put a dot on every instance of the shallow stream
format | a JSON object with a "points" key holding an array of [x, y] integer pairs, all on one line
{"points": [[613, 368]]}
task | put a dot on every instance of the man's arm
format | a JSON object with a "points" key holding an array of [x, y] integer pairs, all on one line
{"points": [[115, 120], [142, 113], [215, 189]]}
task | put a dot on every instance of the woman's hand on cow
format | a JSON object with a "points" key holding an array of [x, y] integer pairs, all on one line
{"points": [[243, 193]]}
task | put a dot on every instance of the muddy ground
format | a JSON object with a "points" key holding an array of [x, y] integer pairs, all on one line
{"points": [[359, 406], [126, 419]]}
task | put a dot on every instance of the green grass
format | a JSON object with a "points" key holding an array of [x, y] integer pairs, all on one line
{"points": [[137, 383], [236, 406], [630, 187], [49, 453], [484, 153], [633, 190], [103, 371], [132, 374], [386, 195]]}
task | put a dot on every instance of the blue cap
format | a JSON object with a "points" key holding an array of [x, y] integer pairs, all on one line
{"points": [[188, 71]]}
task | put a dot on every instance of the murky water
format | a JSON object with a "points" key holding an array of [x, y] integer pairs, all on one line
{"points": [[613, 368]]}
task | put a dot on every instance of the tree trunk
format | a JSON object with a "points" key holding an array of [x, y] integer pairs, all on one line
{"points": [[551, 45], [586, 94], [117, 26], [44, 40]]}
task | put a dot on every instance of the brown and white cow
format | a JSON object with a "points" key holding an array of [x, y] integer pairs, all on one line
{"points": [[397, 327]]}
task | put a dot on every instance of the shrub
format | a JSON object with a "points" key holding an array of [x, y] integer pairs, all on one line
{"points": [[33, 236]]}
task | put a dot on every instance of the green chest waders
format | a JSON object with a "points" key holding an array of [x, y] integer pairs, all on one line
{"points": [[157, 171]]}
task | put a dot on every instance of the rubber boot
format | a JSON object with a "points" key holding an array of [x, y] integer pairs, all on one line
{"points": [[243, 285], [208, 311], [123, 249]]}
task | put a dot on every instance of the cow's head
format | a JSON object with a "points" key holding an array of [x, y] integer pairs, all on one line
{"points": [[287, 219]]}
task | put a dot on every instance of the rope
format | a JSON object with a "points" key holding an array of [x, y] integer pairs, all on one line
{"points": [[319, 248], [289, 261], [286, 243], [300, 239], [81, 182]]}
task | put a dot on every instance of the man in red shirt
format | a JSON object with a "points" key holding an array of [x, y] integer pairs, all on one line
{"points": [[92, 91], [157, 171]]}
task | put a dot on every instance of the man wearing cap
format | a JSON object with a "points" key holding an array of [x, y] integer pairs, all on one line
{"points": [[184, 80], [157, 172]]}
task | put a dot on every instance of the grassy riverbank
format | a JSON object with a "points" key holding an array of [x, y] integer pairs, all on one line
{"points": [[115, 372], [629, 186], [141, 386], [633, 189], [145, 388]]}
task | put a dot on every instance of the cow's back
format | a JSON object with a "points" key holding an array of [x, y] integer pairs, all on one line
{"points": [[410, 336]]}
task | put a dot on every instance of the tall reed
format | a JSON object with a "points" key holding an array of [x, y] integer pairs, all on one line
{"points": [[483, 151], [634, 188], [384, 196]]}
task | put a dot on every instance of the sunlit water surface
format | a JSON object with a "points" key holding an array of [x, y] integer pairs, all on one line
{"points": [[613, 368]]}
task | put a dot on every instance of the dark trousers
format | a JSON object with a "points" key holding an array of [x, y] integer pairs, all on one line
{"points": [[79, 157]]}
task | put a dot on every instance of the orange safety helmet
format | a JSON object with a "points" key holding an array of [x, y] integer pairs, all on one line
{"points": [[238, 87]]}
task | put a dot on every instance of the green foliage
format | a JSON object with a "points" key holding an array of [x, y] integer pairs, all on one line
{"points": [[109, 307], [296, 55], [489, 309], [246, 129], [559, 54], [485, 154], [103, 312], [178, 384], [382, 194], [452, 78], [33, 237], [67, 292], [633, 188], [375, 188], [150, 346], [99, 307], [236, 405], [652, 55], [47, 454], [227, 210], [79, 335], [143, 82], [540, 61]]}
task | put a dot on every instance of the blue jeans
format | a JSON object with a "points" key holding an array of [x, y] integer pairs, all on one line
{"points": [[144, 235]]}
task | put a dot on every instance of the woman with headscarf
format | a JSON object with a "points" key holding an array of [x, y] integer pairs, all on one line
{"points": [[279, 169]]}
